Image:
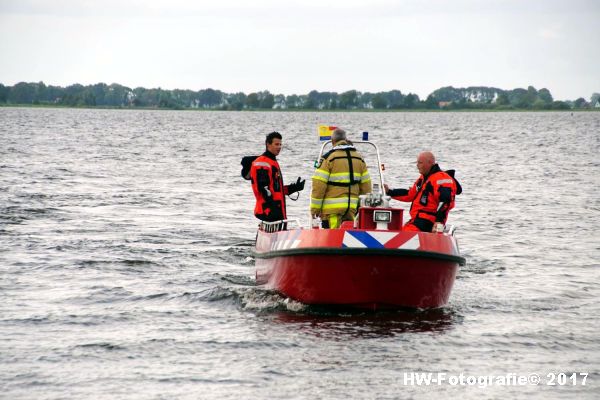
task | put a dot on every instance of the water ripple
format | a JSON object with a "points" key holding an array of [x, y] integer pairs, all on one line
{"points": [[126, 258]]}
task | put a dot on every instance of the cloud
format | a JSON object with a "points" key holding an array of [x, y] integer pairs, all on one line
{"points": [[294, 46], [553, 32]]}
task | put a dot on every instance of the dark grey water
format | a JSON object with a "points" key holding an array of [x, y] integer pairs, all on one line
{"points": [[126, 269]]}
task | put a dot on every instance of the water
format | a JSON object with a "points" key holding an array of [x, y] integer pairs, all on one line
{"points": [[127, 272]]}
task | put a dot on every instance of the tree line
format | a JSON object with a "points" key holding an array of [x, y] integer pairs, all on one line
{"points": [[116, 95]]}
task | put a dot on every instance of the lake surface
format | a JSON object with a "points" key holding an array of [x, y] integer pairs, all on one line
{"points": [[126, 267]]}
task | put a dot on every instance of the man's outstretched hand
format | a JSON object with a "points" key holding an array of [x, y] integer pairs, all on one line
{"points": [[297, 186]]}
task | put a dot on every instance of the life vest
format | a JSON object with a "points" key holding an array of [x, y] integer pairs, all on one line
{"points": [[428, 192], [268, 188]]}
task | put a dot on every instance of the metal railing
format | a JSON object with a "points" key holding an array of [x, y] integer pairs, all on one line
{"points": [[376, 188], [361, 143], [277, 226], [449, 230]]}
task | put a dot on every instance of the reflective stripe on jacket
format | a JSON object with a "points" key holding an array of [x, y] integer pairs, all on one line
{"points": [[339, 180]]}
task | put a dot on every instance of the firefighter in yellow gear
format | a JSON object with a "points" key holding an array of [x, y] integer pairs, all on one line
{"points": [[340, 178]]}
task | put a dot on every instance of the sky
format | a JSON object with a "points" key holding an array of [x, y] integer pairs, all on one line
{"points": [[295, 46]]}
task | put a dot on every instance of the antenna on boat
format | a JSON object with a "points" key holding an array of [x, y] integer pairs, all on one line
{"points": [[380, 166]]}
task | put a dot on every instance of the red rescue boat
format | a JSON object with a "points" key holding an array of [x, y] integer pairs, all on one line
{"points": [[369, 263]]}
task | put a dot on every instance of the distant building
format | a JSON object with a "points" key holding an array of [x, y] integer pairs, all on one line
{"points": [[279, 102], [442, 104], [130, 97]]}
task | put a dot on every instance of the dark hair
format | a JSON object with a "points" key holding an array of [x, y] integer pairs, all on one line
{"points": [[271, 136]]}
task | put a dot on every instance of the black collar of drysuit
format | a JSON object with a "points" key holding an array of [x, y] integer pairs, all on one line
{"points": [[267, 153], [434, 168]]}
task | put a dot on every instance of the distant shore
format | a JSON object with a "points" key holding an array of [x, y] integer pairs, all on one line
{"points": [[448, 98], [362, 110]]}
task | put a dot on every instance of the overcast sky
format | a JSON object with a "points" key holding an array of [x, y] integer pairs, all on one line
{"points": [[295, 46]]}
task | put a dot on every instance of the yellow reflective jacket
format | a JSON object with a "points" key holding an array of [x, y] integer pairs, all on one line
{"points": [[333, 190]]}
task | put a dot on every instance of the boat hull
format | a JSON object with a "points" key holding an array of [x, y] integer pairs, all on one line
{"points": [[375, 271]]}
